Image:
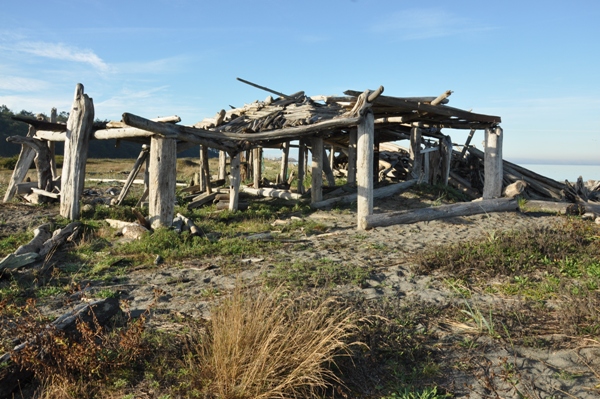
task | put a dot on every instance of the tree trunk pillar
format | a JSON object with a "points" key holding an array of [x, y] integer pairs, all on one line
{"points": [[301, 170], [364, 178], [492, 187], [257, 169], [415, 152], [446, 158], [162, 174], [222, 164], [234, 182], [316, 190], [352, 157], [79, 130], [285, 153]]}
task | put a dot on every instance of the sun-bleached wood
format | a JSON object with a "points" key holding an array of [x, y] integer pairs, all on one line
{"points": [[24, 161], [492, 187], [222, 165], [285, 154], [272, 192], [41, 159], [352, 156], [446, 158], [316, 188], [79, 130], [365, 140], [301, 166], [415, 152], [257, 167], [440, 212], [382, 192], [141, 159], [162, 176], [234, 182]]}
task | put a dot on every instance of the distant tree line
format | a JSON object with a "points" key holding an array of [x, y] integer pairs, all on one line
{"points": [[98, 148]]}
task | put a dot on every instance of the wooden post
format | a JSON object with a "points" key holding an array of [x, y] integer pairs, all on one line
{"points": [[234, 182], [141, 159], [23, 164], [42, 160], [327, 170], [146, 184], [331, 157], [163, 173], [426, 168], [415, 151], [446, 158], [316, 189], [492, 163], [301, 170], [364, 178], [52, 147], [285, 153], [222, 164], [79, 130], [204, 181], [257, 169], [352, 157]]}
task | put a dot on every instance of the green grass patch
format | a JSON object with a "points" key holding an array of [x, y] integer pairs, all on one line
{"points": [[317, 273]]}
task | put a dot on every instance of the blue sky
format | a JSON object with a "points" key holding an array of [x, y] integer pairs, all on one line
{"points": [[535, 64]]}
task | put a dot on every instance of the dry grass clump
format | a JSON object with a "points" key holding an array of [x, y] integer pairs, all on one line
{"points": [[266, 345]]}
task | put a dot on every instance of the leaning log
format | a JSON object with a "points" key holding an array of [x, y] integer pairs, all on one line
{"points": [[139, 162], [41, 160], [79, 129], [382, 192], [441, 212], [59, 237], [23, 163], [41, 235]]}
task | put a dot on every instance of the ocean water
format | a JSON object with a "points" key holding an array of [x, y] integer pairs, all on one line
{"points": [[565, 172]]}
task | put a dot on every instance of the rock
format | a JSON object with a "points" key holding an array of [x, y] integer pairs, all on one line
{"points": [[159, 259], [134, 231], [87, 208]]}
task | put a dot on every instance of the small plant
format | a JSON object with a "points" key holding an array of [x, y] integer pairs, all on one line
{"points": [[264, 345], [411, 393]]}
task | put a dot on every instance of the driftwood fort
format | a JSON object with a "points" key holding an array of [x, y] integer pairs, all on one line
{"points": [[359, 129]]}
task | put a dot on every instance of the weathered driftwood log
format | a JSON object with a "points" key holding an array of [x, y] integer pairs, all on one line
{"points": [[316, 188], [272, 192], [440, 212], [492, 187], [381, 192], [194, 230], [364, 177], [14, 261], [202, 199], [163, 172], [301, 168], [40, 236], [41, 159], [515, 189], [327, 170], [94, 313], [352, 156], [59, 237], [141, 160], [415, 152], [222, 164], [285, 154], [234, 182], [79, 129], [446, 158], [23, 163]]}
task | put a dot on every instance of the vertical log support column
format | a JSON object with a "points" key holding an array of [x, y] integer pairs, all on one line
{"points": [[301, 170], [79, 130], [52, 147], [222, 164], [331, 157], [257, 167], [234, 182], [446, 155], [285, 154], [327, 170], [204, 170], [163, 173], [364, 178], [316, 190], [492, 187], [352, 157], [415, 152]]}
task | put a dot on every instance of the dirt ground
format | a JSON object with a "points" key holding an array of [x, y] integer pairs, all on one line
{"points": [[485, 368]]}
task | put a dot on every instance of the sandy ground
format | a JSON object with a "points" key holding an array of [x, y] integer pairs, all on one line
{"points": [[487, 368]]}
